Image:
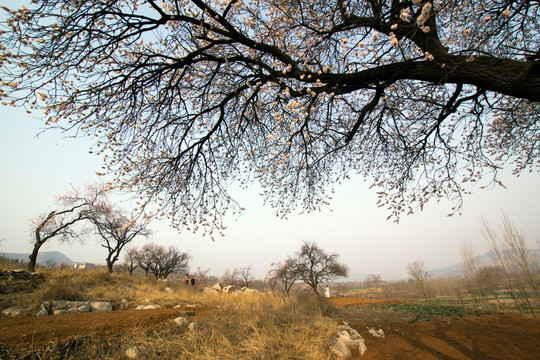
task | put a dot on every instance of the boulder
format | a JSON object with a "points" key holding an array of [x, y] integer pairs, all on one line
{"points": [[43, 311], [148, 307], [194, 326], [376, 333], [228, 289], [347, 341], [182, 322], [99, 306], [216, 287], [12, 312], [136, 352], [340, 349]]}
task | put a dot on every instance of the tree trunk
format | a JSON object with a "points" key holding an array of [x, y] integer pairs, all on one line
{"points": [[33, 256]]}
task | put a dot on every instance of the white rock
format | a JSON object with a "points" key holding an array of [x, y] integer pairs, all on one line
{"points": [[136, 352], [228, 289], [193, 326], [376, 333], [99, 306], [340, 349], [216, 287], [12, 312], [148, 307], [43, 311], [182, 321]]}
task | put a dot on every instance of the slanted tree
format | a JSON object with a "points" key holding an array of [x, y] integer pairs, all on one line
{"points": [[116, 230], [185, 97], [73, 208], [314, 266]]}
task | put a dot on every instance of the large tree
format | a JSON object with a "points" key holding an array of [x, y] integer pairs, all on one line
{"points": [[185, 97], [314, 266]]}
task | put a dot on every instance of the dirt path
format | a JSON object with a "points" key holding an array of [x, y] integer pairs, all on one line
{"points": [[41, 330]]}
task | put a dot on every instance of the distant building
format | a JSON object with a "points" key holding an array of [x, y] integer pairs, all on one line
{"points": [[85, 265]]}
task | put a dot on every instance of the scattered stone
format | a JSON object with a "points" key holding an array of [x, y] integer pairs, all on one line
{"points": [[136, 352], [194, 326], [376, 333], [100, 306], [43, 311], [340, 349], [182, 322], [124, 304], [216, 287], [148, 307], [347, 340], [168, 289], [12, 312], [228, 289]]}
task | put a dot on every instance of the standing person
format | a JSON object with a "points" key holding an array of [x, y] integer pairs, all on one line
{"points": [[187, 279], [327, 291], [192, 280]]}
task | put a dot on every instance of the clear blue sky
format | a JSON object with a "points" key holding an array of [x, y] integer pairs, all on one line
{"points": [[35, 169]]}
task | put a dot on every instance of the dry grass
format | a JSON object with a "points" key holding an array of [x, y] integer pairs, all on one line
{"points": [[246, 326]]}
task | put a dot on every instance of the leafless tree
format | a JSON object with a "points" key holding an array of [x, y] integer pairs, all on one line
{"points": [[183, 97], [519, 268], [374, 280], [286, 274], [313, 266], [161, 261], [419, 273], [201, 276], [246, 274], [230, 277], [131, 260], [116, 230], [73, 208]]}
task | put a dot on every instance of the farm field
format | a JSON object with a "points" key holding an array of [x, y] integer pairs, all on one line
{"points": [[488, 336]]}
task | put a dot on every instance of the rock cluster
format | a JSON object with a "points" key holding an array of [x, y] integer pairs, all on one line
{"points": [[63, 307], [229, 289], [347, 341], [16, 280]]}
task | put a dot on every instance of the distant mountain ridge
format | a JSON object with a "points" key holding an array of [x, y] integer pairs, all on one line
{"points": [[43, 257], [484, 259]]}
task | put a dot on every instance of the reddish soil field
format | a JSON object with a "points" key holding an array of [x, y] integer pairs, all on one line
{"points": [[498, 336]]}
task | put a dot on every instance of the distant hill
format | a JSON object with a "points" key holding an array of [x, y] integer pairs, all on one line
{"points": [[457, 269], [43, 257]]}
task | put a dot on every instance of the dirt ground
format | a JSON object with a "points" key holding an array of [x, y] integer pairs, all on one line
{"points": [[496, 336]]}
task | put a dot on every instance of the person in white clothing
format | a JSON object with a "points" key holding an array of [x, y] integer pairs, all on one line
{"points": [[327, 291]]}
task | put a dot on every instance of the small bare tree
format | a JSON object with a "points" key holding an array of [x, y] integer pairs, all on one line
{"points": [[131, 260], [519, 268], [285, 274], [246, 274], [201, 275], [419, 273]]}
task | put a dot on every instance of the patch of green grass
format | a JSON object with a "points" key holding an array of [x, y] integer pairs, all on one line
{"points": [[429, 310]]}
